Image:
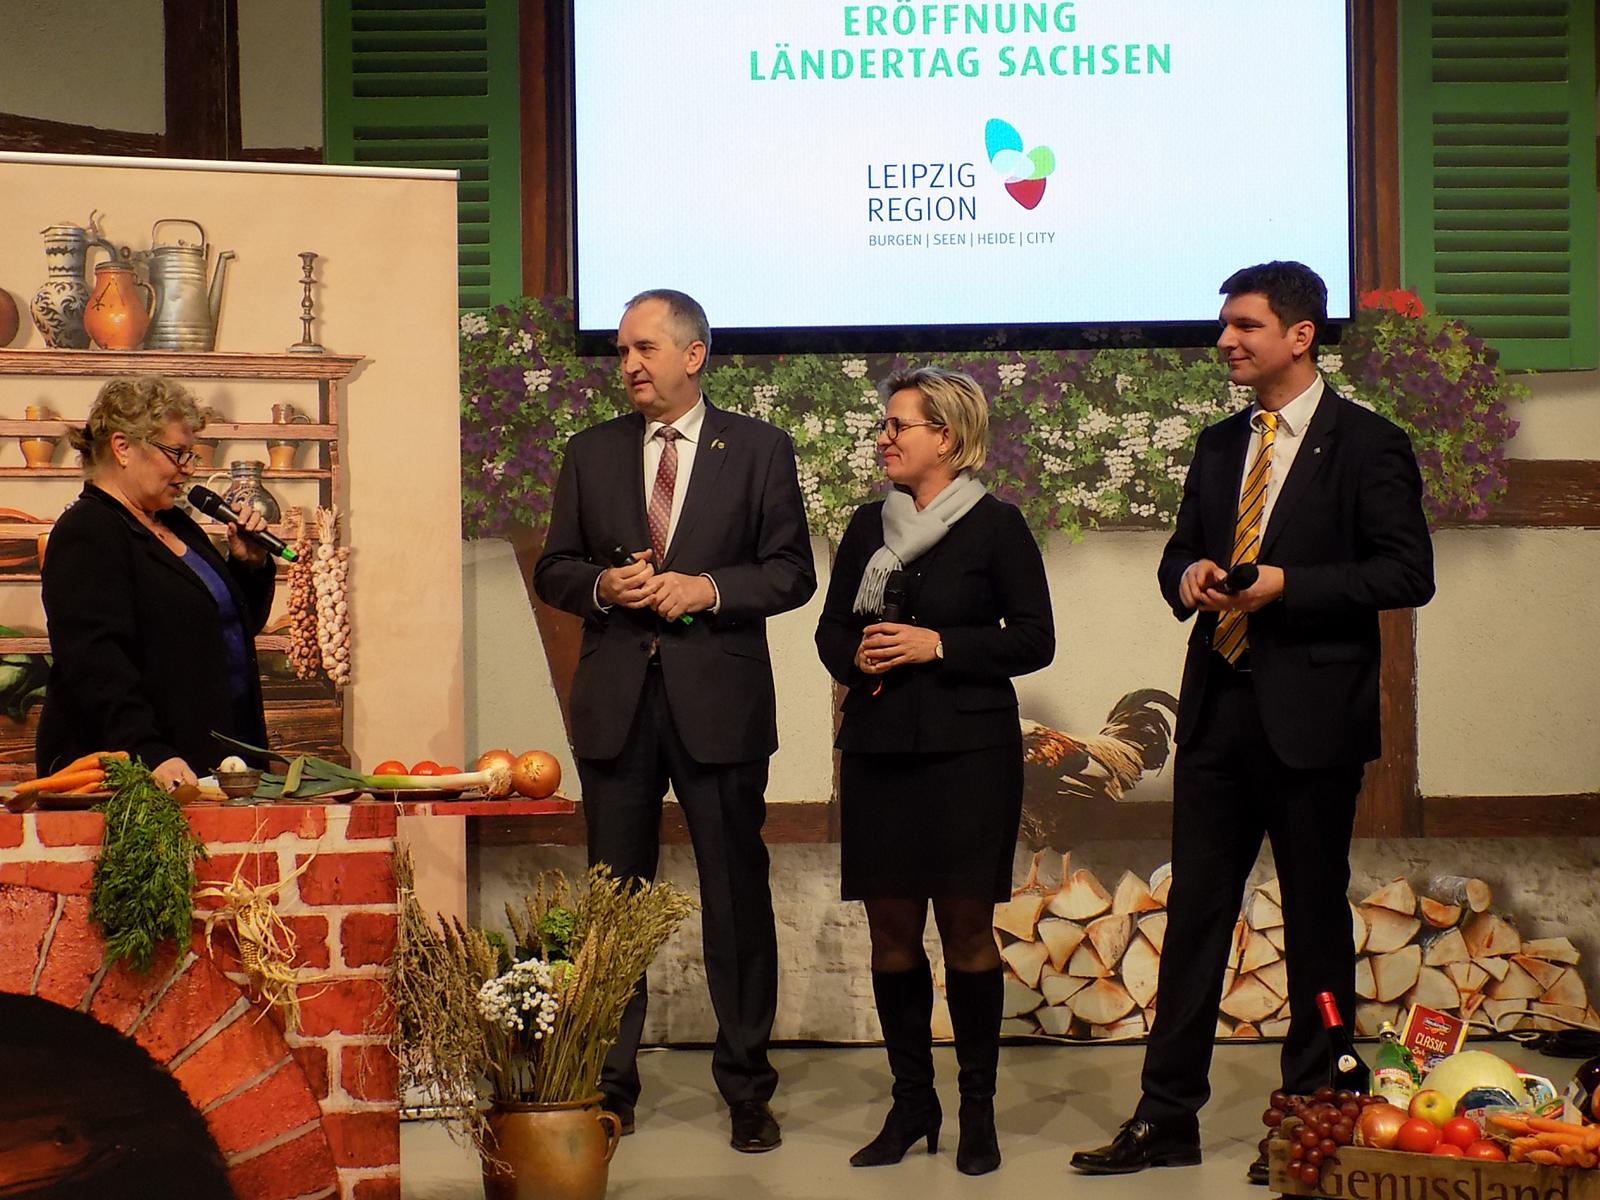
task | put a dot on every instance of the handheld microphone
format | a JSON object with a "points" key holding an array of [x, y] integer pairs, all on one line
{"points": [[621, 558], [1240, 579], [894, 598], [216, 507]]}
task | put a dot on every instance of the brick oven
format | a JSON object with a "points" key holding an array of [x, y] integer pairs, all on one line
{"points": [[282, 1116]]}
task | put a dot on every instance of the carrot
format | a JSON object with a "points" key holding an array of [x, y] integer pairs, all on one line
{"points": [[1508, 1122], [1547, 1158], [61, 782], [98, 785], [1546, 1125], [78, 766]]}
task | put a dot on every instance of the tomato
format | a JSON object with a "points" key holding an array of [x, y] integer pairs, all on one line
{"points": [[1486, 1151], [1448, 1150], [448, 771], [426, 767], [1460, 1131], [1417, 1136], [390, 766]]}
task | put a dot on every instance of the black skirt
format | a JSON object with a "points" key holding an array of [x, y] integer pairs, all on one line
{"points": [[929, 826]]}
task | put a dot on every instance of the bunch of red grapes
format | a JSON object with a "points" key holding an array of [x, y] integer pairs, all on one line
{"points": [[1327, 1121]]}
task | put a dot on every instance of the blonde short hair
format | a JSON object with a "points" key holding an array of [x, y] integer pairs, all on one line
{"points": [[955, 401], [139, 408]]}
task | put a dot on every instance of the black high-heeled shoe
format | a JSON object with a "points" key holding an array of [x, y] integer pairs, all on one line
{"points": [[979, 1150], [902, 1129]]}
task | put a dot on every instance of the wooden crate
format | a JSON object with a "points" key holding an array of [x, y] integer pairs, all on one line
{"points": [[1364, 1174]]}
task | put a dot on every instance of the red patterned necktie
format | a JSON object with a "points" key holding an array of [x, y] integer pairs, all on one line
{"points": [[661, 494]]}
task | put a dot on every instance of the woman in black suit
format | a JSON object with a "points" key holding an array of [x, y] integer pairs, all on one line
{"points": [[152, 630], [930, 780]]}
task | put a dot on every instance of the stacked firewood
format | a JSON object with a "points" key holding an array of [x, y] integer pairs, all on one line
{"points": [[1081, 961]]}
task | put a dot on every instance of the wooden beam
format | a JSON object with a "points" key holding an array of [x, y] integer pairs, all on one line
{"points": [[1375, 88], [32, 135], [1575, 815], [1388, 805], [807, 821], [1545, 494], [546, 171], [202, 78]]}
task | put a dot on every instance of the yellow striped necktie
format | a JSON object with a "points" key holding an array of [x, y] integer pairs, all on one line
{"points": [[1230, 639]]}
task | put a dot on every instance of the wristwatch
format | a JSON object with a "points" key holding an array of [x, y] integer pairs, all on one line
{"points": [[938, 649]]}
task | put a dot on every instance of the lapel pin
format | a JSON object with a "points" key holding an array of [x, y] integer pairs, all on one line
{"points": [[718, 444], [1316, 450]]}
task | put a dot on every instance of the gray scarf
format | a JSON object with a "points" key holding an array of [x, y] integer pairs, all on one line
{"points": [[909, 533]]}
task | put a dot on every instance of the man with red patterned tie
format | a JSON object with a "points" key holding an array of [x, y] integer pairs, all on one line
{"points": [[1320, 502], [675, 532]]}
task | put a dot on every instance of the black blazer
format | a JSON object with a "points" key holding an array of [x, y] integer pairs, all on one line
{"points": [[743, 523], [986, 570], [139, 663], [1349, 532]]}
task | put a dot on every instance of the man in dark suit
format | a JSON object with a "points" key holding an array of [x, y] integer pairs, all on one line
{"points": [[1279, 707], [675, 533]]}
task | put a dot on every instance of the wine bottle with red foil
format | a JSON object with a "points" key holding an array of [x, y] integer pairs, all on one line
{"points": [[1346, 1071]]}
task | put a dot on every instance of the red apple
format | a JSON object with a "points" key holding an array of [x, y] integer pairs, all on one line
{"points": [[1432, 1105]]}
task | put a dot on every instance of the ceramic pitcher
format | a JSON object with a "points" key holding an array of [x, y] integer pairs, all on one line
{"points": [[118, 314]]}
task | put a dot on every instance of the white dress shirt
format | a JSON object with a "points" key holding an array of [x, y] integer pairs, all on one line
{"points": [[1293, 420]]}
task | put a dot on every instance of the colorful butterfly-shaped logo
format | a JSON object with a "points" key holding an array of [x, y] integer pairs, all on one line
{"points": [[1025, 172]]}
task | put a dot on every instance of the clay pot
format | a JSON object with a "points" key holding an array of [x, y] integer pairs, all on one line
{"points": [[10, 318], [59, 303], [117, 314], [38, 451], [550, 1151]]}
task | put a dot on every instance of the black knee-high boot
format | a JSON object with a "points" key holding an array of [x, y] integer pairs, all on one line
{"points": [[905, 1010], [975, 999]]}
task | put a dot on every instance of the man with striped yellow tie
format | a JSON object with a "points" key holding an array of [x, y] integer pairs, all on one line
{"points": [[1301, 520]]}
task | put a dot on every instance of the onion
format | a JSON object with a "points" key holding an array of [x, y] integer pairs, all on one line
{"points": [[495, 758], [1379, 1125], [536, 774]]}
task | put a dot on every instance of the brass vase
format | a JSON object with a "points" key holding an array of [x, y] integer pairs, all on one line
{"points": [[550, 1151]]}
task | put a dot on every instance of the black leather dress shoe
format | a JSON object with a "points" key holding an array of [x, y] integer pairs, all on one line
{"points": [[622, 1110], [1140, 1144], [1258, 1171], [755, 1129]]}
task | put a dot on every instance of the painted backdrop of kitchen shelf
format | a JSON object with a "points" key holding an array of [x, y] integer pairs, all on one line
{"points": [[303, 715]]}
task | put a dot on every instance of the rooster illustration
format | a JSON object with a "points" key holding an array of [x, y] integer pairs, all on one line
{"points": [[1075, 783]]}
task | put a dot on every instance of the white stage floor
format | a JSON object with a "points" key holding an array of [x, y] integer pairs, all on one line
{"points": [[1052, 1100]]}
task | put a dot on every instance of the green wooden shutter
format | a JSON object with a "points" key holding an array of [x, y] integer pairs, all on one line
{"points": [[1497, 172], [435, 83]]}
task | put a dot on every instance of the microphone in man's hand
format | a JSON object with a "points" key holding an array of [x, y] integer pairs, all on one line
{"points": [[1240, 579], [216, 507], [622, 558]]}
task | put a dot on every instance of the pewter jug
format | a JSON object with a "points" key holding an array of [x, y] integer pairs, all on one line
{"points": [[186, 313], [245, 487]]}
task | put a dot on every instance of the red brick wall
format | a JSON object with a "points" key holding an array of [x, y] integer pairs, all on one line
{"points": [[311, 1113]]}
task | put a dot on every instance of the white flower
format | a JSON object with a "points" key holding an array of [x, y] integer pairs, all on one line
{"points": [[474, 324], [537, 381], [522, 343], [854, 368], [1012, 374], [1124, 382], [526, 991], [1239, 395], [1170, 433], [811, 424], [1328, 362]]}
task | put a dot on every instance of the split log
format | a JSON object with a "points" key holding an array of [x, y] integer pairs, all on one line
{"points": [[1546, 973], [1358, 929], [1276, 937], [1246, 1030], [1490, 934], [1250, 1000], [1027, 959], [1130, 1026], [1552, 949], [1109, 935], [1460, 889], [1241, 938], [1517, 985], [1557, 1016], [1132, 896], [1058, 989], [1102, 1002], [1275, 976], [1019, 916], [1468, 976], [1258, 952], [1568, 992], [1080, 898], [1434, 990], [1275, 1027], [1366, 987], [1369, 1017], [1161, 883], [1061, 938], [1262, 912], [1394, 974], [1439, 914], [1019, 999], [1272, 890], [1441, 947], [1057, 1022], [1396, 896], [1494, 965], [1154, 926], [1470, 1003], [1506, 1014], [1387, 930], [1086, 964], [1019, 1027], [1140, 966]]}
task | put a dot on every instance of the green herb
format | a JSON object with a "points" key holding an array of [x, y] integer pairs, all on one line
{"points": [[143, 889]]}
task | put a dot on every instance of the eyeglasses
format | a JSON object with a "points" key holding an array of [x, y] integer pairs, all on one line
{"points": [[894, 426], [180, 457]]}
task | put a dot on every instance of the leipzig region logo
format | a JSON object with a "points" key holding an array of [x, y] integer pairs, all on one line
{"points": [[1025, 171]]}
